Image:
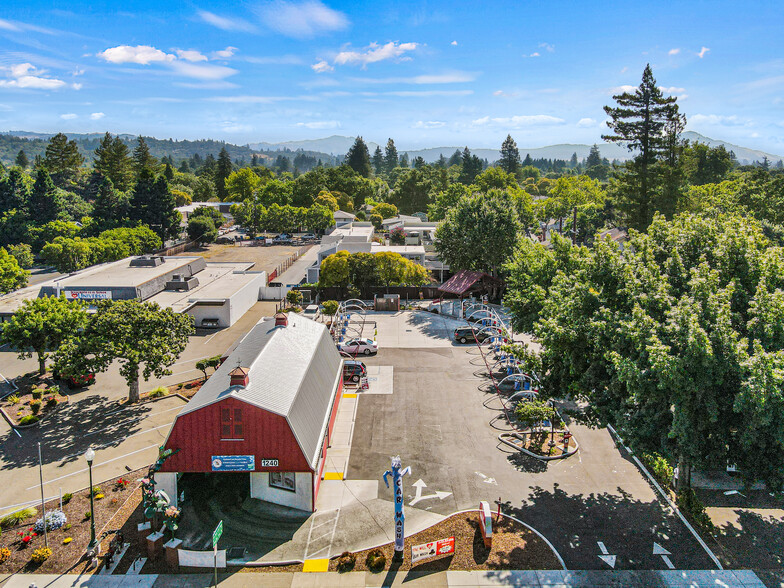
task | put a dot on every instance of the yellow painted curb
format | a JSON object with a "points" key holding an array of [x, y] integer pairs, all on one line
{"points": [[350, 395], [333, 475], [315, 565]]}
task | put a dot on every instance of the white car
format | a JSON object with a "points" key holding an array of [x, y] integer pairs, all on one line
{"points": [[357, 346]]}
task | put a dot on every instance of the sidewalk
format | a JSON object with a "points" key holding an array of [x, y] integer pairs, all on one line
{"points": [[536, 579]]}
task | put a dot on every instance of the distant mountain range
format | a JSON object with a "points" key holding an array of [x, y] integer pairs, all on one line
{"points": [[329, 149], [339, 145]]}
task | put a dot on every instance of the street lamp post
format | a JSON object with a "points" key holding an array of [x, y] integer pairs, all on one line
{"points": [[89, 455]]}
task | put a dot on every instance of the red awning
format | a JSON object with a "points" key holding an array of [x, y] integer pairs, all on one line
{"points": [[464, 280]]}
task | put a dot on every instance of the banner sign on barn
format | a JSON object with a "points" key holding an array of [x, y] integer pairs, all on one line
{"points": [[233, 463], [432, 549]]}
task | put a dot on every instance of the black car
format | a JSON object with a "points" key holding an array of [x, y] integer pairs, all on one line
{"points": [[469, 335], [353, 370]]}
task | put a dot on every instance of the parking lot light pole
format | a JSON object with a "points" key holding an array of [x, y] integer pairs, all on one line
{"points": [[89, 455]]}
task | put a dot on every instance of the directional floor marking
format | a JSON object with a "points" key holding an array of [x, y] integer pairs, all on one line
{"points": [[485, 479], [419, 484], [605, 556], [659, 550]]}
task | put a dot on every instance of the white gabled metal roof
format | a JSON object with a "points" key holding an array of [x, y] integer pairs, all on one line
{"points": [[293, 371]]}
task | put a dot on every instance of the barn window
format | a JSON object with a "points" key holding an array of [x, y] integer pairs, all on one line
{"points": [[231, 426], [283, 480]]}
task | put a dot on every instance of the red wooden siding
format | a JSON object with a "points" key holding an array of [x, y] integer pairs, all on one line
{"points": [[266, 435], [328, 440]]}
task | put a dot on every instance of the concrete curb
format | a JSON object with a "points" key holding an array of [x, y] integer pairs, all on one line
{"points": [[39, 421], [540, 457]]}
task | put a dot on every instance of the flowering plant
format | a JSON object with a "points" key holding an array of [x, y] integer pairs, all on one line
{"points": [[121, 483], [54, 520]]}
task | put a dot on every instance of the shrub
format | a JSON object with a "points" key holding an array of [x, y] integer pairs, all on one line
{"points": [[376, 560], [66, 527], [54, 520], [36, 393], [5, 553], [55, 390], [121, 483], [51, 402], [67, 497], [158, 392], [99, 496], [67, 540], [35, 406], [692, 506], [13, 519], [97, 490], [41, 554], [13, 399], [29, 420], [346, 561], [659, 467], [88, 515]]}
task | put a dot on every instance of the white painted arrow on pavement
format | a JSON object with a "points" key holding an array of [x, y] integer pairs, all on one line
{"points": [[419, 484], [659, 550], [606, 557], [485, 479]]}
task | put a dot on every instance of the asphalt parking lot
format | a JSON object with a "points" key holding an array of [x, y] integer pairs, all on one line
{"points": [[436, 421]]}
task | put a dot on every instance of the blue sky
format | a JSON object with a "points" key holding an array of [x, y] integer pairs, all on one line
{"points": [[424, 73]]}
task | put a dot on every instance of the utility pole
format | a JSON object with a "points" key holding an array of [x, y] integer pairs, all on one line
{"points": [[43, 504]]}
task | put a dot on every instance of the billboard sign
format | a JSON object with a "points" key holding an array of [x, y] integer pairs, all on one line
{"points": [[88, 294], [233, 463], [432, 549], [486, 522]]}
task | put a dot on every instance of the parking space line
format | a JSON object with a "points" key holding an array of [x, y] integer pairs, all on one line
{"points": [[97, 465]]}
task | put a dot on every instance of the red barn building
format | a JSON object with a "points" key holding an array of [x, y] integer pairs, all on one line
{"points": [[267, 412]]}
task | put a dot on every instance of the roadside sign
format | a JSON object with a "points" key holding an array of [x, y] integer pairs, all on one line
{"points": [[432, 549], [233, 463], [216, 534]]}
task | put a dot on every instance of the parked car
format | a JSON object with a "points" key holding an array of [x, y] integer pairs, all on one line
{"points": [[312, 311], [353, 370], [309, 237], [357, 346], [469, 335], [282, 239], [224, 240]]}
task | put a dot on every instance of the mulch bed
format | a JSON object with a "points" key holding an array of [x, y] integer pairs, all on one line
{"points": [[515, 547], [66, 557], [16, 411], [539, 443]]}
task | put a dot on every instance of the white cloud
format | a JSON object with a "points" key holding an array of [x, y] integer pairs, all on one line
{"points": [[19, 27], [323, 124], [453, 43], [226, 23], [245, 99], [374, 53], [97, 115], [208, 85], [69, 116], [585, 123], [191, 55], [141, 54], [624, 70], [76, 86], [718, 120], [224, 53], [426, 93], [302, 19], [429, 124], [25, 75], [672, 89], [534, 54], [547, 47], [276, 60], [442, 78], [673, 51], [322, 67], [202, 71], [519, 121], [702, 52], [622, 89]]}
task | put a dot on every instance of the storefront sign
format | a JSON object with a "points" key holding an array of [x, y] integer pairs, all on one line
{"points": [[233, 463], [433, 549], [269, 463], [88, 294], [486, 523]]}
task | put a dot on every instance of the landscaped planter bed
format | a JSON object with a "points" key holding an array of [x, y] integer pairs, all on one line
{"points": [[515, 547], [66, 557], [50, 388]]}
